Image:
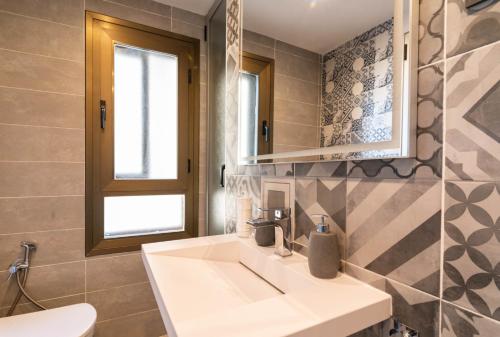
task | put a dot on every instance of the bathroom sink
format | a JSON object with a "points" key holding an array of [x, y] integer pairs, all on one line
{"points": [[228, 286]]}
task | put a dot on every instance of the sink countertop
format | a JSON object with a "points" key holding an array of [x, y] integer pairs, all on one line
{"points": [[225, 286]]}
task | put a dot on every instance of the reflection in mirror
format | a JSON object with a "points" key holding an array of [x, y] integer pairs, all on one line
{"points": [[341, 80]]}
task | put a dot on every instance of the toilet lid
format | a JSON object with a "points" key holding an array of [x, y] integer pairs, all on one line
{"points": [[70, 321]]}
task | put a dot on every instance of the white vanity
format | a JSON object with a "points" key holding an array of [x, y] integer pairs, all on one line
{"points": [[222, 286]]}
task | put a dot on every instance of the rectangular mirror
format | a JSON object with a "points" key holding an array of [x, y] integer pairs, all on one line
{"points": [[328, 80]]}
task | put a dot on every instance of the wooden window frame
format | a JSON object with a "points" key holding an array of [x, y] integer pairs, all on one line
{"points": [[95, 243], [264, 67]]}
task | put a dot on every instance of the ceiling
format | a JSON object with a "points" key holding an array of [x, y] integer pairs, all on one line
{"points": [[315, 25], [196, 6]]}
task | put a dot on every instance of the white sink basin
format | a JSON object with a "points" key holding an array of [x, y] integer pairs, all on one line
{"points": [[226, 286]]}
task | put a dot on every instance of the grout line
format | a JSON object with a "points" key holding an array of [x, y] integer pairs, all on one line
{"points": [[125, 316], [46, 231], [471, 311], [41, 126], [50, 265], [294, 101], [45, 300], [431, 64], [45, 196], [41, 55], [42, 91], [39, 162], [443, 166], [472, 50], [118, 287], [294, 123], [40, 19], [138, 9], [299, 79], [392, 280]]}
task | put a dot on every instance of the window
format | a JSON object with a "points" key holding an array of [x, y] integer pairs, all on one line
{"points": [[141, 135], [256, 99]]}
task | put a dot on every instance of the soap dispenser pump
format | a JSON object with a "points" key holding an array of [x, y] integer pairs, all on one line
{"points": [[323, 256]]}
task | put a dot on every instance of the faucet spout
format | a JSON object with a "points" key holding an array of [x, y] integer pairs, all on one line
{"points": [[283, 230]]}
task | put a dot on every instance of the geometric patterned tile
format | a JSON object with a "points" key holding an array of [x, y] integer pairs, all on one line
{"points": [[428, 161], [468, 31], [412, 307], [431, 37], [394, 229], [321, 169], [319, 196], [471, 276], [457, 322], [473, 116], [276, 170]]}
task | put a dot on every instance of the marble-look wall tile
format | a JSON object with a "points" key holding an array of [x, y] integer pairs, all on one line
{"points": [[393, 229], [428, 161], [472, 246], [431, 31], [469, 31], [320, 196], [473, 118], [457, 322]]}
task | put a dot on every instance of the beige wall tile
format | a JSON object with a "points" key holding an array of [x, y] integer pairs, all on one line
{"points": [[295, 112], [69, 12], [116, 271], [129, 13], [186, 16], [47, 282], [121, 301], [41, 73], [146, 324], [188, 29], [27, 143], [52, 303], [20, 215], [286, 87], [19, 106], [295, 134], [298, 67], [258, 49], [288, 48], [41, 179], [249, 36], [146, 5], [52, 247], [41, 37]]}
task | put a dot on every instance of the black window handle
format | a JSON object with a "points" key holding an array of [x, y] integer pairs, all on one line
{"points": [[102, 108], [222, 171], [265, 131]]}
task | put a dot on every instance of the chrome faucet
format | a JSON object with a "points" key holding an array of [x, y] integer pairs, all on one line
{"points": [[283, 230]]}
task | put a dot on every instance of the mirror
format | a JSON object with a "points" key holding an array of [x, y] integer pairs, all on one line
{"points": [[327, 80]]}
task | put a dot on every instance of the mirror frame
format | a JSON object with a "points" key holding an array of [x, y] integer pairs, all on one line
{"points": [[404, 118]]}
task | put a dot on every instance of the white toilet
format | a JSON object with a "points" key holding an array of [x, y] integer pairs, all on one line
{"points": [[76, 320]]}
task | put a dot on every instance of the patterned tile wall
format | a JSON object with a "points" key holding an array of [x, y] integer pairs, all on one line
{"points": [[357, 89], [427, 230]]}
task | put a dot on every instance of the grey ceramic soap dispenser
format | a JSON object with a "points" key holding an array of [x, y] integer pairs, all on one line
{"points": [[324, 257]]}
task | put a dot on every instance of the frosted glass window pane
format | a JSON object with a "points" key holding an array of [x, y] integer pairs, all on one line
{"points": [[145, 115], [249, 115], [145, 214]]}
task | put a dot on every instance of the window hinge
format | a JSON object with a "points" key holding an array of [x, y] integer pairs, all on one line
{"points": [[102, 108], [190, 76], [405, 57], [205, 33], [189, 165]]}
